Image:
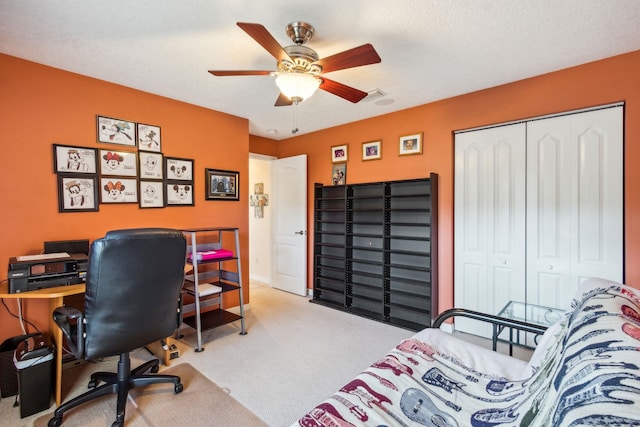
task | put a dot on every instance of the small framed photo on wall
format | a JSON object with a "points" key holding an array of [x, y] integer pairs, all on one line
{"points": [[70, 159], [411, 144], [339, 174], [77, 193], [116, 131], [372, 150], [222, 184], [148, 138], [339, 153]]}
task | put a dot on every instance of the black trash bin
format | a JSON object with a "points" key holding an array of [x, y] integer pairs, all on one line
{"points": [[33, 360], [8, 373]]}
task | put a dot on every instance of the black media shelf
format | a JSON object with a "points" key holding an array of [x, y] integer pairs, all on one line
{"points": [[375, 247]]}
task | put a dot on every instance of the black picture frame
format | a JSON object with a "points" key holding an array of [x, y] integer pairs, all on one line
{"points": [[149, 138], [117, 190], [116, 131], [178, 169], [77, 193], [151, 165], [221, 184], [74, 159], [179, 193], [151, 194]]}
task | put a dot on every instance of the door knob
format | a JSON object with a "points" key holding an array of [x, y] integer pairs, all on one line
{"points": [[301, 232]]}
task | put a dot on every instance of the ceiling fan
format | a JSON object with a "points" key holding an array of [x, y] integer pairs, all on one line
{"points": [[300, 69]]}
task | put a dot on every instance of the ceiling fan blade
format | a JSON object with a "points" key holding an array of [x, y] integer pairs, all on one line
{"points": [[343, 91], [356, 57], [283, 101], [239, 73], [260, 34]]}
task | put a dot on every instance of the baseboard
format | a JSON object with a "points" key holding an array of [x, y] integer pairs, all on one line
{"points": [[262, 279], [236, 309]]}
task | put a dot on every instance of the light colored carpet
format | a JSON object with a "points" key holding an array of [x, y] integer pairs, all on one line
{"points": [[202, 403]]}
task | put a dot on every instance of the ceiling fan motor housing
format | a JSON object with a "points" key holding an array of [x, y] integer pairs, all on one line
{"points": [[300, 32], [303, 60]]}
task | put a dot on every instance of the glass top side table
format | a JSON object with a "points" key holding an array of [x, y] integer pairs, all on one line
{"points": [[529, 313]]}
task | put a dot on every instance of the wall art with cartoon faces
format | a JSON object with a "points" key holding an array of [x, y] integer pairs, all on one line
{"points": [[116, 131], [69, 159], [178, 169], [118, 190], [179, 194], [118, 163], [149, 138], [150, 165], [151, 194], [77, 193]]}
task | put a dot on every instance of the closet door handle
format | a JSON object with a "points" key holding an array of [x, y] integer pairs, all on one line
{"points": [[301, 232]]}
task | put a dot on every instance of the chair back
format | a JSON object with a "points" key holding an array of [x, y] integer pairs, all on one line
{"points": [[132, 298]]}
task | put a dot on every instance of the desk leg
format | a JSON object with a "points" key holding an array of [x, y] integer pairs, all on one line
{"points": [[56, 334]]}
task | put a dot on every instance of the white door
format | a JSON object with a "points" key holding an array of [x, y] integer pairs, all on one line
{"points": [[289, 224], [489, 245], [574, 203]]}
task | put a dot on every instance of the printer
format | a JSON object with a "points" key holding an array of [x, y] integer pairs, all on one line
{"points": [[31, 272]]}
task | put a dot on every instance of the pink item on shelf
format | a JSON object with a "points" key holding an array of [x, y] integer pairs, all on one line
{"points": [[209, 255]]}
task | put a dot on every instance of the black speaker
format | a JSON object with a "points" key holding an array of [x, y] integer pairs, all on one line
{"points": [[68, 246]]}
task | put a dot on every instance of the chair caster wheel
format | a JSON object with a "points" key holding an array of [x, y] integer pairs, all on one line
{"points": [[178, 388], [54, 422], [92, 384], [154, 369], [118, 424]]}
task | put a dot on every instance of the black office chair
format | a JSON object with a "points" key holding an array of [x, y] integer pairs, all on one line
{"points": [[132, 299]]}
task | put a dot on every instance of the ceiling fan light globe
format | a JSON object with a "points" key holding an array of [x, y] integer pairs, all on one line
{"points": [[297, 86]]}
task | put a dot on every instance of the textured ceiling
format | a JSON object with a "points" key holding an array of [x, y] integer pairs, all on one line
{"points": [[430, 49]]}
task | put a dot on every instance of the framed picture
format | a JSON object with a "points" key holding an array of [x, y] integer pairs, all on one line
{"points": [[116, 131], [151, 165], [77, 193], [151, 194], [118, 190], [339, 153], [118, 163], [411, 144], [179, 194], [372, 150], [258, 188], [148, 138], [67, 158], [178, 169], [259, 200], [339, 174], [221, 184]]}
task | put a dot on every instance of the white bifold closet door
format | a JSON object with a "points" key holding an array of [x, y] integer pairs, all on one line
{"points": [[538, 208], [489, 236], [574, 203]]}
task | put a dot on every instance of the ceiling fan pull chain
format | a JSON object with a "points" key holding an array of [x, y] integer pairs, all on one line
{"points": [[295, 118]]}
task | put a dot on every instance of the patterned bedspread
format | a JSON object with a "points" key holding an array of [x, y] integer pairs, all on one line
{"points": [[587, 374]]}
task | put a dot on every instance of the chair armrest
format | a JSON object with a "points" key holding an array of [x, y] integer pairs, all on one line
{"points": [[71, 321], [490, 318]]}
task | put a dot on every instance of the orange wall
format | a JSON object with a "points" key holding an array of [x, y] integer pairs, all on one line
{"points": [[40, 106], [607, 81]]}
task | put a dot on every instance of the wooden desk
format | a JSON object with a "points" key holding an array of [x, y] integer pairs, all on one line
{"points": [[56, 299]]}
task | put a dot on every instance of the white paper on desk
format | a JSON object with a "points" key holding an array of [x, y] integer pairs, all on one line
{"points": [[40, 257]]}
